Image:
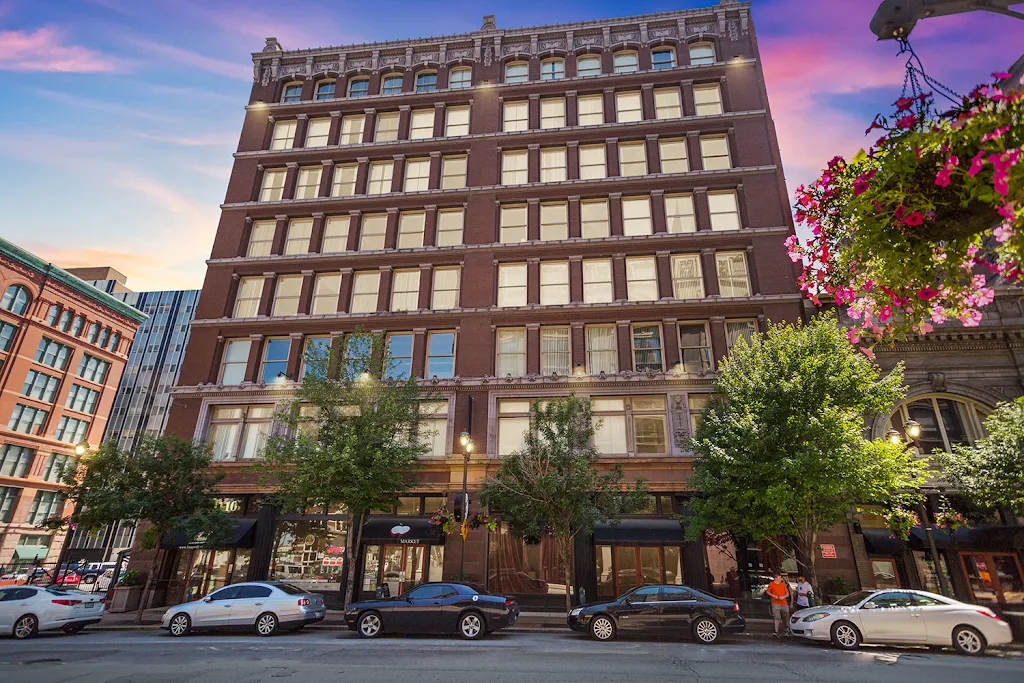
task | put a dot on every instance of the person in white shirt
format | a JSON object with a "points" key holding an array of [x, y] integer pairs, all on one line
{"points": [[804, 593]]}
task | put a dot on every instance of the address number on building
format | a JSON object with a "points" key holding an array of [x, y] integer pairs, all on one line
{"points": [[828, 551]]}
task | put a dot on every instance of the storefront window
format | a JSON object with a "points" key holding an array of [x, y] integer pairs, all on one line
{"points": [[309, 553], [198, 571], [621, 568], [371, 568], [399, 568], [926, 570], [520, 567]]}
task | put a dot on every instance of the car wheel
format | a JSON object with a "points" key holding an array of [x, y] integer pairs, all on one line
{"points": [[181, 625], [706, 630], [845, 635], [26, 627], [967, 640], [370, 625], [72, 628], [266, 624], [89, 579], [471, 626], [602, 628]]}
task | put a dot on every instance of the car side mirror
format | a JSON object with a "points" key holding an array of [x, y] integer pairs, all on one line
{"points": [[869, 605], [628, 602], [207, 599]]}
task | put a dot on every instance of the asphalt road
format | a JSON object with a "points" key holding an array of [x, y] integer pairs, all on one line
{"points": [[543, 657]]}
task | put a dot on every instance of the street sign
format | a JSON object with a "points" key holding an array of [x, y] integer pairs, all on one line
{"points": [[465, 528], [828, 551]]}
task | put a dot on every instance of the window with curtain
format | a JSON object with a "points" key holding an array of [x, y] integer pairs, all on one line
{"points": [[284, 134], [248, 301], [647, 347], [516, 115], [636, 216], [554, 221], [588, 65], [352, 127], [381, 173], [391, 84], [273, 185], [421, 124], [593, 162], [456, 121], [446, 288], [590, 110], [365, 285], [687, 281], [449, 227], [344, 184], [642, 278], [235, 360], [434, 430], [387, 126], [679, 213], [724, 210], [667, 103], [708, 99], [552, 112], [554, 283], [555, 353], [261, 238], [405, 290], [239, 432], [732, 273], [453, 171], [632, 158], [517, 72], [511, 345], [695, 347], [714, 150], [602, 355], [299, 232], [336, 234], [513, 224], [702, 53], [326, 291], [626, 61], [553, 164], [511, 284], [514, 166], [417, 175], [628, 107], [375, 226], [594, 222], [673, 155], [318, 132], [411, 225], [275, 359], [597, 281], [286, 298], [734, 329]]}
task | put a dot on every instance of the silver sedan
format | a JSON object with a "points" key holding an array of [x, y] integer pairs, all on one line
{"points": [[902, 617], [265, 607]]}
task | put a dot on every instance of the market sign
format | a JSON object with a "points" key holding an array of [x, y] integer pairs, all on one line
{"points": [[828, 551]]}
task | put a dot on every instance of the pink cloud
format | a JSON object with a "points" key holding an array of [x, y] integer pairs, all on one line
{"points": [[43, 50], [176, 55]]}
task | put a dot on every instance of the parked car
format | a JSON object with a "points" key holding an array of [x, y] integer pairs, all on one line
{"points": [[92, 571], [902, 617], [27, 610], [660, 610], [264, 606], [441, 608]]}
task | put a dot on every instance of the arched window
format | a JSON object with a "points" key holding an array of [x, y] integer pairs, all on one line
{"points": [[15, 300], [588, 65], [391, 84], [104, 337], [325, 90], [552, 69], [663, 58], [359, 87], [115, 339], [626, 62], [65, 321], [945, 420], [94, 332], [76, 327], [702, 53], [426, 81], [459, 78], [53, 315], [517, 72], [292, 92]]}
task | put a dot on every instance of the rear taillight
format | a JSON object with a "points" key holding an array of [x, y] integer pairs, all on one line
{"points": [[303, 602], [509, 603], [66, 603], [990, 615], [735, 607]]}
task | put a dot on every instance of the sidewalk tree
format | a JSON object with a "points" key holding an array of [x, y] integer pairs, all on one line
{"points": [[353, 436], [782, 452], [554, 486]]}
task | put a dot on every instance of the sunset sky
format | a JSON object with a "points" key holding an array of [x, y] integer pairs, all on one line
{"points": [[119, 117]]}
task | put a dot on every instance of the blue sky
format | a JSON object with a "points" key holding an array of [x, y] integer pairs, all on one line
{"points": [[119, 116]]}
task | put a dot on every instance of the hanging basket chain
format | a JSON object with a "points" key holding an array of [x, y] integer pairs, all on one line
{"points": [[916, 75]]}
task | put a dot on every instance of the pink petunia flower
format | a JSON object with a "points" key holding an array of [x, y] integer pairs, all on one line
{"points": [[971, 318], [994, 135], [1000, 75], [867, 352], [927, 294], [1007, 210], [1002, 162], [977, 161], [914, 219], [907, 121], [1003, 233]]}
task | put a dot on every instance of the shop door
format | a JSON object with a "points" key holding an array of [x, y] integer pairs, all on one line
{"points": [[402, 567], [994, 577]]}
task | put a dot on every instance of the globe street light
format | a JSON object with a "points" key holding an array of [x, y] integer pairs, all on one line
{"points": [[81, 448], [912, 428], [894, 437]]}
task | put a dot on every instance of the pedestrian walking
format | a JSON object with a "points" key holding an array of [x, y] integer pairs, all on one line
{"points": [[804, 593], [778, 591]]}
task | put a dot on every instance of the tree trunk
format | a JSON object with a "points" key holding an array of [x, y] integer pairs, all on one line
{"points": [[149, 583], [565, 553], [352, 541], [807, 541]]}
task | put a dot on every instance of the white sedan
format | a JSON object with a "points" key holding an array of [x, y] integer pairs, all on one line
{"points": [[27, 610], [902, 617], [266, 607]]}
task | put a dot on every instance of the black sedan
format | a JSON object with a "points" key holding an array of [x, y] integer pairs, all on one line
{"points": [[660, 610], [434, 608]]}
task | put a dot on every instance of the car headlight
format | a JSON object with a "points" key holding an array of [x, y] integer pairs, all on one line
{"points": [[816, 616], [576, 612]]}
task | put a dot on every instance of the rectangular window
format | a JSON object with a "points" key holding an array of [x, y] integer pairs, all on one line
{"points": [[554, 283], [597, 281], [601, 353], [261, 238], [552, 112], [449, 227], [590, 110], [380, 177], [26, 419], [724, 210], [667, 103], [286, 298], [734, 329], [405, 290], [71, 430], [387, 127], [554, 221], [421, 124], [708, 99], [511, 358], [56, 466], [352, 129], [714, 150], [308, 185], [40, 386], [7, 332], [513, 224], [365, 286], [399, 355], [318, 132], [344, 180], [15, 461], [52, 353], [628, 107], [679, 213], [82, 399], [611, 436], [732, 273], [588, 65], [441, 355], [516, 116], [687, 281], [239, 433], [592, 162], [45, 505], [8, 501], [325, 293], [594, 221], [647, 348], [514, 167], [446, 288], [511, 284], [433, 433], [273, 185], [513, 424], [284, 135], [642, 278], [357, 354], [650, 420], [673, 156], [636, 216], [336, 234], [456, 121], [555, 354], [92, 369], [236, 359], [299, 232], [417, 175], [695, 347], [632, 158], [553, 165], [375, 226], [453, 172], [410, 229], [275, 359]]}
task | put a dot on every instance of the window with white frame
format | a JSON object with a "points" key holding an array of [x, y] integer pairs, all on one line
{"points": [[453, 171], [27, 419], [40, 386], [732, 273], [284, 134], [456, 121], [71, 430], [405, 290], [707, 97], [517, 72], [511, 284], [695, 347], [641, 278], [326, 290], [626, 61], [724, 210], [663, 58], [421, 124], [555, 351], [602, 355], [411, 225], [399, 355], [598, 287], [275, 359], [92, 369], [702, 53], [359, 87], [352, 129], [291, 93], [441, 354], [593, 162], [514, 164], [387, 126], [714, 150], [945, 420], [647, 348], [434, 428], [628, 107], [235, 361], [375, 227], [552, 112], [635, 424], [286, 298], [417, 175], [513, 224], [594, 221], [15, 461], [554, 283], [273, 185], [344, 184], [239, 432], [687, 281], [53, 314], [247, 303], [336, 234], [735, 329], [552, 69], [261, 238], [590, 110], [632, 158], [673, 155], [553, 164], [588, 65], [513, 425], [426, 81], [299, 232], [516, 115], [445, 294], [511, 354], [449, 227], [391, 84], [365, 285], [460, 78], [679, 213], [7, 332], [318, 132], [636, 216], [667, 103], [314, 356], [52, 353], [325, 90], [554, 221], [381, 173]]}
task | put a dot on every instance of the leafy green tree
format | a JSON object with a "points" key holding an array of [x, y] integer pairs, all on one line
{"points": [[555, 487], [991, 473], [353, 437], [166, 482], [782, 448]]}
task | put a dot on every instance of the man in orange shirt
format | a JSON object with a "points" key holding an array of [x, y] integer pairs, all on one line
{"points": [[778, 591]]}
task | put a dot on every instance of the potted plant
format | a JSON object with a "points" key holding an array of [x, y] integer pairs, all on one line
{"points": [[127, 592]]}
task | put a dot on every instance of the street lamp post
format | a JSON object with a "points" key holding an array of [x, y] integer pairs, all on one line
{"points": [[466, 442]]}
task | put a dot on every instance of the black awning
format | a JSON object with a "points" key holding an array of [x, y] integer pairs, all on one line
{"points": [[241, 537], [400, 530], [640, 532], [991, 538], [883, 542]]}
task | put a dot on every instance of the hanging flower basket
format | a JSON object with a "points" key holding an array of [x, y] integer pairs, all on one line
{"points": [[486, 521], [900, 521], [443, 520], [951, 519], [908, 234]]}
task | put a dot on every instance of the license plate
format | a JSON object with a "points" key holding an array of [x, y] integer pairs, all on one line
{"points": [[318, 614]]}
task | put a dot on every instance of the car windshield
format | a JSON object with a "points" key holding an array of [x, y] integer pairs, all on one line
{"points": [[290, 589], [853, 599]]}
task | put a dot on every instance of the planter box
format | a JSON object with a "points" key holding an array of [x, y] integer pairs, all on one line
{"points": [[125, 598]]}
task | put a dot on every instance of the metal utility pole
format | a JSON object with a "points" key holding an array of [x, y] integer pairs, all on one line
{"points": [[466, 441]]}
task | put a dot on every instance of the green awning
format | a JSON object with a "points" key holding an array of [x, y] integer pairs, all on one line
{"points": [[31, 552]]}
